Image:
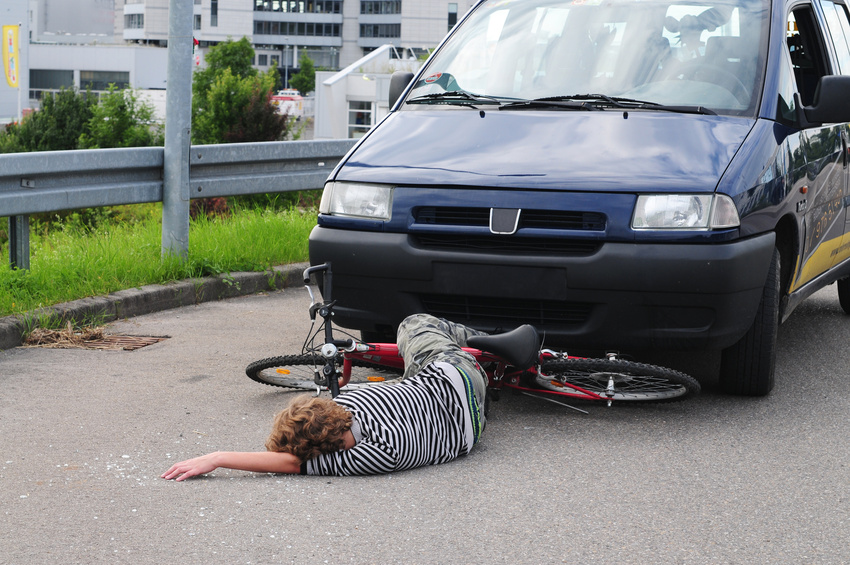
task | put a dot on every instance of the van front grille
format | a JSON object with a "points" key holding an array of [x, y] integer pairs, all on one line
{"points": [[448, 216], [506, 313], [540, 219]]}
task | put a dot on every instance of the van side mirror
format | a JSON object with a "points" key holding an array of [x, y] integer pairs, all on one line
{"points": [[398, 83], [831, 102]]}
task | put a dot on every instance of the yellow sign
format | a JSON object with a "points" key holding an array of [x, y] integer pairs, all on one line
{"points": [[11, 58]]}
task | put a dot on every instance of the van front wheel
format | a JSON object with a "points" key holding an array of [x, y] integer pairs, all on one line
{"points": [[844, 294], [747, 367]]}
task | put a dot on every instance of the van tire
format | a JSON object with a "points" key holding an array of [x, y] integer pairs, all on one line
{"points": [[844, 295], [747, 367]]}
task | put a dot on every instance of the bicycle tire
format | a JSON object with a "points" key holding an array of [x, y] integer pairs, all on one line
{"points": [[297, 372], [632, 381]]}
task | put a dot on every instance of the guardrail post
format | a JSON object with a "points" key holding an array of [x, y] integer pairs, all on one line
{"points": [[19, 242], [178, 120]]}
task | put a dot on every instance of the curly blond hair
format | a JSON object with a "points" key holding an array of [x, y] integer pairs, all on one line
{"points": [[308, 427]]}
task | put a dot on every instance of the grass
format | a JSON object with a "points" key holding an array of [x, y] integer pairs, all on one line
{"points": [[75, 261]]}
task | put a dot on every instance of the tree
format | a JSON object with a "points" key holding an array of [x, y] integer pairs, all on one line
{"points": [[238, 56], [55, 127], [231, 100], [238, 109], [305, 79], [121, 120]]}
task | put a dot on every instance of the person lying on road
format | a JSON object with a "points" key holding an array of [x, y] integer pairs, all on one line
{"points": [[435, 414]]}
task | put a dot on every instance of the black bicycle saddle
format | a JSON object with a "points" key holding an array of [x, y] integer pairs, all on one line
{"points": [[519, 347]]}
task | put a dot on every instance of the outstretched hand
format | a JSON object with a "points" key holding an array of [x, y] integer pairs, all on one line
{"points": [[191, 468]]}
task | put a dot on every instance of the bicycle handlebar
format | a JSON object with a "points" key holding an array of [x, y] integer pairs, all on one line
{"points": [[325, 268], [314, 269]]}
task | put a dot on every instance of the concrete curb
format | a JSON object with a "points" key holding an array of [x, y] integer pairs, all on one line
{"points": [[151, 298]]}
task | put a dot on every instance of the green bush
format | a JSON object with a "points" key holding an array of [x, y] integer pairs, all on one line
{"points": [[121, 120], [55, 127]]}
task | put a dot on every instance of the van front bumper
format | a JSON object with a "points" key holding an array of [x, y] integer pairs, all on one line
{"points": [[625, 295]]}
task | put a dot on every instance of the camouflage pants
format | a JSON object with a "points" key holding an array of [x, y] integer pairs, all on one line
{"points": [[424, 339]]}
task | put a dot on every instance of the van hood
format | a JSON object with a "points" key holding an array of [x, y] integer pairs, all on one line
{"points": [[567, 150]]}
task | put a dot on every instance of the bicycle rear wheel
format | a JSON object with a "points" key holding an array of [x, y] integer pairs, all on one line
{"points": [[298, 372], [632, 381]]}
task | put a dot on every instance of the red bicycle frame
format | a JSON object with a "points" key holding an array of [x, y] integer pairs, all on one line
{"points": [[499, 373]]}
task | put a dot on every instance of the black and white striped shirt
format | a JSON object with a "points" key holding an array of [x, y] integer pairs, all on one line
{"points": [[424, 420]]}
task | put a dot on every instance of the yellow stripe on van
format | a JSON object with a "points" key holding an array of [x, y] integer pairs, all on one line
{"points": [[821, 260]]}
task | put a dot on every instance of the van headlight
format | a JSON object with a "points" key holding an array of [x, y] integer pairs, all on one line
{"points": [[372, 201], [685, 212]]}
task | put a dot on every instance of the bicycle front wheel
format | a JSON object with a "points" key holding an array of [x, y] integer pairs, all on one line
{"points": [[298, 372], [631, 381]]}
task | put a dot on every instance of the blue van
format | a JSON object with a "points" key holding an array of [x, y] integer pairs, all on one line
{"points": [[653, 174]]}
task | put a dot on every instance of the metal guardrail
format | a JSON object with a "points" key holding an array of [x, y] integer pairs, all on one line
{"points": [[51, 181]]}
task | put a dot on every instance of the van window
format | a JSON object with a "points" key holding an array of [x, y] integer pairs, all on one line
{"points": [[839, 28], [806, 48], [680, 53], [787, 107]]}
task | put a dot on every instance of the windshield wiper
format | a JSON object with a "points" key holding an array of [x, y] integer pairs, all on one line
{"points": [[601, 101], [455, 97], [560, 102]]}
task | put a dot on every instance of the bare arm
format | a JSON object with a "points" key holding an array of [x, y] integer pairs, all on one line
{"points": [[258, 462]]}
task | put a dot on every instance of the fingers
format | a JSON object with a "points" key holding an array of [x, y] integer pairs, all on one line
{"points": [[186, 475], [191, 467], [179, 471]]}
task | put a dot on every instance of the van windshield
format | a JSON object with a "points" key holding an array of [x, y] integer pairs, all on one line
{"points": [[680, 54]]}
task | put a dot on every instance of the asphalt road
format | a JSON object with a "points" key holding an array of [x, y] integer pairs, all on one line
{"points": [[716, 479]]}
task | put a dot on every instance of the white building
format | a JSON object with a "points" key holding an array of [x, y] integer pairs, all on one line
{"points": [[53, 67], [334, 33], [354, 99], [75, 21]]}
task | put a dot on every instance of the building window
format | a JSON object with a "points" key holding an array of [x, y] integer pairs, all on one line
{"points": [[297, 28], [274, 60], [262, 60], [380, 30], [51, 80], [299, 6], [359, 118], [100, 80], [380, 6], [197, 24], [213, 13], [452, 15], [134, 21]]}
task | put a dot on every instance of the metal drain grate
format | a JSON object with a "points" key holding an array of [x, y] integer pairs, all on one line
{"points": [[90, 338]]}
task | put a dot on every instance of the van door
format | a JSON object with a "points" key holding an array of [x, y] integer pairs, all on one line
{"points": [[838, 22], [824, 151]]}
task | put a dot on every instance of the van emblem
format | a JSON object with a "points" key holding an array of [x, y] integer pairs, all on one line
{"points": [[433, 78], [504, 221]]}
